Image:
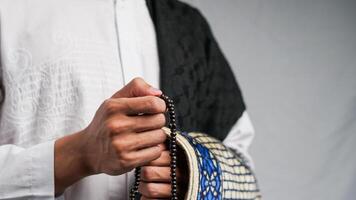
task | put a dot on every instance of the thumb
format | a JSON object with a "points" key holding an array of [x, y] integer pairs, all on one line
{"points": [[137, 88]]}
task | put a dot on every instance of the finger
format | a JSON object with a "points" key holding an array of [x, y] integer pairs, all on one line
{"points": [[136, 88], [144, 156], [136, 105], [144, 140], [163, 160], [156, 174], [127, 124], [131, 141], [145, 105], [155, 190], [148, 122]]}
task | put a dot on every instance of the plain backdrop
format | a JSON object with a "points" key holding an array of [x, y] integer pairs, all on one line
{"points": [[295, 61]]}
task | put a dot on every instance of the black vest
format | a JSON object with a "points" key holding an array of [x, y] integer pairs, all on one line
{"points": [[193, 70]]}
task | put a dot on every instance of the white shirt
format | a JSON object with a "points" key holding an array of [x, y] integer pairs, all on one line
{"points": [[60, 59]]}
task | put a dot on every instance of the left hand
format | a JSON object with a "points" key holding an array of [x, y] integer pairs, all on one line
{"points": [[156, 178]]}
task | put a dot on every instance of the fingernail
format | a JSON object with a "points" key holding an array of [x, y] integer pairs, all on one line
{"points": [[155, 91]]}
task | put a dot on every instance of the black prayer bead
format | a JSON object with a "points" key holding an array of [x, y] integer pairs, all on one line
{"points": [[173, 150]]}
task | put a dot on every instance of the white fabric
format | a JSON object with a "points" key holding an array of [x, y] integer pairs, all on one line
{"points": [[27, 173], [60, 59], [240, 137]]}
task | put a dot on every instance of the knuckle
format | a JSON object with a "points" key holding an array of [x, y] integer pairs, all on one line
{"points": [[110, 125], [136, 82], [117, 125], [146, 173], [155, 104], [112, 106], [109, 105], [151, 102], [126, 166], [161, 119], [162, 105], [126, 158], [120, 147], [122, 125], [107, 101], [127, 105], [158, 104], [152, 190]]}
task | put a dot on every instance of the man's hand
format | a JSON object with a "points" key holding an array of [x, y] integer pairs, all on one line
{"points": [[125, 133], [156, 178]]}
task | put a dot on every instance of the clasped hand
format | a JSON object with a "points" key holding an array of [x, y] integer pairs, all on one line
{"points": [[126, 132]]}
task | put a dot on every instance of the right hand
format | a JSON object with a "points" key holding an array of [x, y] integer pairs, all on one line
{"points": [[126, 130], [124, 133]]}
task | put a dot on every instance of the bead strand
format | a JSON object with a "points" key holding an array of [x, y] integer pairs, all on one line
{"points": [[173, 153]]}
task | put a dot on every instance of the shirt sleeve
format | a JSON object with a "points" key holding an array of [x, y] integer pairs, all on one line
{"points": [[240, 137], [27, 173]]}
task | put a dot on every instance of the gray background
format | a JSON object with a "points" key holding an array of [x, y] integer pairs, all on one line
{"points": [[295, 61]]}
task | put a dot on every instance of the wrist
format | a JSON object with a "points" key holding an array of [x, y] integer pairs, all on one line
{"points": [[69, 161]]}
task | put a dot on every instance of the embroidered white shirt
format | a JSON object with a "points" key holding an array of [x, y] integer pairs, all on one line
{"points": [[60, 59]]}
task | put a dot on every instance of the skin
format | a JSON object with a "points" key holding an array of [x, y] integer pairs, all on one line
{"points": [[156, 178], [125, 133]]}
